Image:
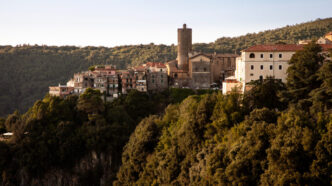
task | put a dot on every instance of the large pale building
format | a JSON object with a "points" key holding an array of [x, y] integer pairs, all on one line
{"points": [[260, 61]]}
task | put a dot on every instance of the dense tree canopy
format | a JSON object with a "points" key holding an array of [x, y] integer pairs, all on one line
{"points": [[226, 140], [302, 73]]}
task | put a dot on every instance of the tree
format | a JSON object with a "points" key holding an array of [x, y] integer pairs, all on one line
{"points": [[302, 76], [90, 102], [264, 94], [322, 96]]}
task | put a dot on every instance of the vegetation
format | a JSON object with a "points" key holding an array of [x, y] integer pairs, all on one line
{"points": [[289, 34], [29, 70], [57, 133], [226, 140], [178, 138]]}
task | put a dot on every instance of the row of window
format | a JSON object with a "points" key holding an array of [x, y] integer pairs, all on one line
{"points": [[196, 69], [161, 81], [160, 76], [252, 55], [262, 67], [102, 85], [260, 77]]}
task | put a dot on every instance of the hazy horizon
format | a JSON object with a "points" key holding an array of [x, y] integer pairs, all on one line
{"points": [[119, 23]]}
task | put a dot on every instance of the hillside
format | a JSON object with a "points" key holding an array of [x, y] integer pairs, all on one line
{"points": [[274, 134], [27, 71]]}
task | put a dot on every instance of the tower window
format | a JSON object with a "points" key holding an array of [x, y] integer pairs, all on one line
{"points": [[262, 67], [252, 67], [280, 67], [251, 74], [271, 67], [252, 55]]}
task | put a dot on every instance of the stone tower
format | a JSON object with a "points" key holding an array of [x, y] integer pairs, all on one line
{"points": [[184, 47]]}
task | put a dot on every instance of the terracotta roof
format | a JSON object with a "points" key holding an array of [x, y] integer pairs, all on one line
{"points": [[215, 55], [281, 48], [139, 68], [330, 33], [156, 64], [223, 55]]}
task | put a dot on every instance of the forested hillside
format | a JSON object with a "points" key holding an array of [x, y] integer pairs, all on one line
{"points": [[274, 134], [27, 71]]}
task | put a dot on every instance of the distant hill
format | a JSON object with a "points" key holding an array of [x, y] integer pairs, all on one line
{"points": [[27, 71], [287, 34]]}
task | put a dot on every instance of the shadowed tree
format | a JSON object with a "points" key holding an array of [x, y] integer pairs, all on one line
{"points": [[265, 94], [302, 76]]}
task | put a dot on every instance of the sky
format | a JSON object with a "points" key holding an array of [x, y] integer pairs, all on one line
{"points": [[126, 22]]}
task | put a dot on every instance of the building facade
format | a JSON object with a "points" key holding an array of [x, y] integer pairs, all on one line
{"points": [[260, 61], [61, 91], [198, 70]]}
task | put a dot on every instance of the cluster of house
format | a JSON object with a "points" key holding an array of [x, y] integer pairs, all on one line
{"points": [[190, 70], [111, 82]]}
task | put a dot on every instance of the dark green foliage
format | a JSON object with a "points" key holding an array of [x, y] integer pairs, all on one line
{"points": [[141, 143], [302, 73], [321, 167], [56, 133], [12, 121], [322, 97], [289, 34], [265, 94], [2, 125], [90, 102], [29, 70], [203, 139], [226, 140]]}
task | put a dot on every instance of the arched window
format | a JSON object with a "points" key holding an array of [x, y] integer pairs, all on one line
{"points": [[252, 55]]}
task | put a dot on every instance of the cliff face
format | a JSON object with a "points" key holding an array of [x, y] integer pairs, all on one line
{"points": [[94, 169]]}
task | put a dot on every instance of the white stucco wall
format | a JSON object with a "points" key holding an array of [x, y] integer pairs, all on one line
{"points": [[246, 74]]}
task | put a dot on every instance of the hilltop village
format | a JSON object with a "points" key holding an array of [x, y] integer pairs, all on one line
{"points": [[190, 70]]}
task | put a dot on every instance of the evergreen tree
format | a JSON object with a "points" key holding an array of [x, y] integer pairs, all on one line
{"points": [[264, 94], [302, 76]]}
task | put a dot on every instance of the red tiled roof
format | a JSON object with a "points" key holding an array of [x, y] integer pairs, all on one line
{"points": [[215, 55], [330, 33], [156, 64], [222, 55], [139, 68], [281, 48]]}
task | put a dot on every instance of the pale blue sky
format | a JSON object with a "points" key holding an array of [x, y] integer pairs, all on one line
{"points": [[124, 22]]}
